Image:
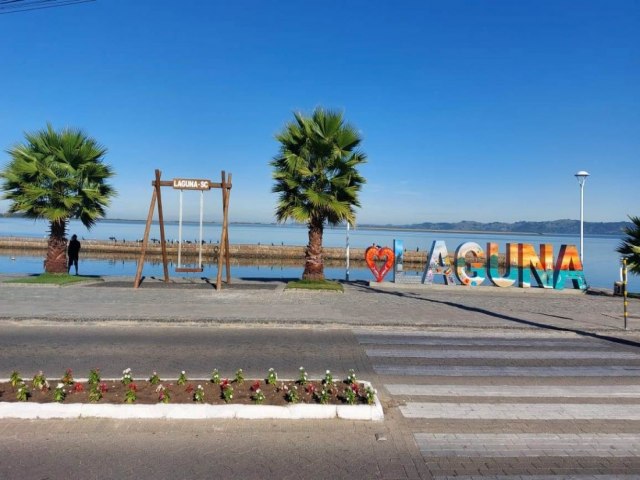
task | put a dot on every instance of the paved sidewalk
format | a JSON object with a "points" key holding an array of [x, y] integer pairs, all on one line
{"points": [[269, 303]]}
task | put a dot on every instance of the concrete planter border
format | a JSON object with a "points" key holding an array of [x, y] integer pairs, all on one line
{"points": [[191, 411]]}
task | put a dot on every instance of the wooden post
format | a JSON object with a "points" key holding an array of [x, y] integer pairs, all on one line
{"points": [[225, 208], [223, 235], [145, 240], [163, 243]]}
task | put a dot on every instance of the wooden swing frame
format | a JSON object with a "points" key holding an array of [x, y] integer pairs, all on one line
{"points": [[182, 184]]}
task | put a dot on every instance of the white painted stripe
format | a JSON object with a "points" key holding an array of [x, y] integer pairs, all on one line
{"points": [[480, 342], [466, 333], [522, 411], [546, 391], [484, 371], [538, 477], [507, 355], [528, 444]]}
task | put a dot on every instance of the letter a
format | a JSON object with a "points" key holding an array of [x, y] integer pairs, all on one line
{"points": [[569, 267], [438, 264]]}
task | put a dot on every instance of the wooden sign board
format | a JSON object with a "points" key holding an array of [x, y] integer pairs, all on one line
{"points": [[191, 184]]}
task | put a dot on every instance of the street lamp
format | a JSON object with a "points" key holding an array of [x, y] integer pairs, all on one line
{"points": [[582, 177]]}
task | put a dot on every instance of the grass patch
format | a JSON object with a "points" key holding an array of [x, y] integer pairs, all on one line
{"points": [[53, 279], [316, 285]]}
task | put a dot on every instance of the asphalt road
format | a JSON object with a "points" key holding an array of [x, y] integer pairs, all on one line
{"points": [[496, 404]]}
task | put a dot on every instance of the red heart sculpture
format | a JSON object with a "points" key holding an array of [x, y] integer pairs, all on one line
{"points": [[380, 253]]}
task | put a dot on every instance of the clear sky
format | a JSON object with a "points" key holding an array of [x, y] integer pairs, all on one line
{"points": [[469, 109]]}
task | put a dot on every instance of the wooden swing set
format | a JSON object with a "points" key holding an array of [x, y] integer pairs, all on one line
{"points": [[182, 184]]}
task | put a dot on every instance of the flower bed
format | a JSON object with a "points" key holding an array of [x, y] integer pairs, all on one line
{"points": [[217, 397]]}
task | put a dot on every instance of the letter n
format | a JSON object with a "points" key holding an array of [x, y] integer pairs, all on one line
{"points": [[529, 263]]}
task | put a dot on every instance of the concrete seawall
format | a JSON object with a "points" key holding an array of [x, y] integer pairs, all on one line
{"points": [[131, 250]]}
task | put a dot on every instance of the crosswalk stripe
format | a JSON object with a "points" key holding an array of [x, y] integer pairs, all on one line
{"points": [[489, 354], [488, 371], [545, 391], [537, 477], [521, 411], [528, 444], [480, 342]]}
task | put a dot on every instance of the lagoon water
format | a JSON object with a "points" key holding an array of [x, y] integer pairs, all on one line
{"points": [[601, 266]]}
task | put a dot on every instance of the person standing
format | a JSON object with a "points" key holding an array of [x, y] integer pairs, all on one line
{"points": [[73, 252]]}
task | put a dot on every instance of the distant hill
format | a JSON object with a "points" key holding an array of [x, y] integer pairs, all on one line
{"points": [[564, 226]]}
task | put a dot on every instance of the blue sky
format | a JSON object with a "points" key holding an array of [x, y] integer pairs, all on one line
{"points": [[469, 110]]}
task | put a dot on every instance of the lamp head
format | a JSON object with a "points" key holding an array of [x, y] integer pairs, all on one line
{"points": [[581, 176]]}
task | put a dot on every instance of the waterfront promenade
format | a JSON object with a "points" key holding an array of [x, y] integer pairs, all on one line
{"points": [[267, 302], [476, 383]]}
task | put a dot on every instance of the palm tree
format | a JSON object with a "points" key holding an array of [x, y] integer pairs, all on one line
{"points": [[316, 178], [57, 176], [630, 246]]}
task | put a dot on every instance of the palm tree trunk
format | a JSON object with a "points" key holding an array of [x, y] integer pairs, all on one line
{"points": [[313, 265], [56, 260]]}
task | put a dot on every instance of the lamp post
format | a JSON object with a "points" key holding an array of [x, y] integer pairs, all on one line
{"points": [[582, 177]]}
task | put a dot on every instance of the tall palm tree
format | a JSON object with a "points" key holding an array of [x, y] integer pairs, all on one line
{"points": [[630, 246], [316, 178], [57, 176]]}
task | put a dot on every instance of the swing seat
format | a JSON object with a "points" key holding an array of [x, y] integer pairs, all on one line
{"points": [[188, 269]]}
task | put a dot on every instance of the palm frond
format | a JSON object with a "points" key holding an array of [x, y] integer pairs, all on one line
{"points": [[58, 175]]}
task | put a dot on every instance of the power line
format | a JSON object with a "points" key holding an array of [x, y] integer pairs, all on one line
{"points": [[15, 6]]}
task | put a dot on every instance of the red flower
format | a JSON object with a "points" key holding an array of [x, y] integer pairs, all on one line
{"points": [[103, 387], [310, 388], [224, 383], [77, 388], [354, 387], [256, 386], [133, 386]]}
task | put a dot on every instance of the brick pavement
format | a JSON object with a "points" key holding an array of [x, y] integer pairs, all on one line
{"points": [[454, 307]]}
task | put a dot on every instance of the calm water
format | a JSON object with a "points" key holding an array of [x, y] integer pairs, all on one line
{"points": [[602, 263]]}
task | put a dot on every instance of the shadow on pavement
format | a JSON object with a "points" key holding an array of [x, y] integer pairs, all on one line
{"points": [[502, 316]]}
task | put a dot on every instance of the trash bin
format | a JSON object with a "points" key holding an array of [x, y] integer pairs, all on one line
{"points": [[617, 289]]}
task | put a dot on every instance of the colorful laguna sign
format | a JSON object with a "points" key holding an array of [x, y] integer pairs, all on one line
{"points": [[522, 265]]}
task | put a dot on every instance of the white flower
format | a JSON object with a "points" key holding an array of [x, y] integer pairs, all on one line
{"points": [[60, 386], [328, 372], [182, 372], [199, 387]]}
